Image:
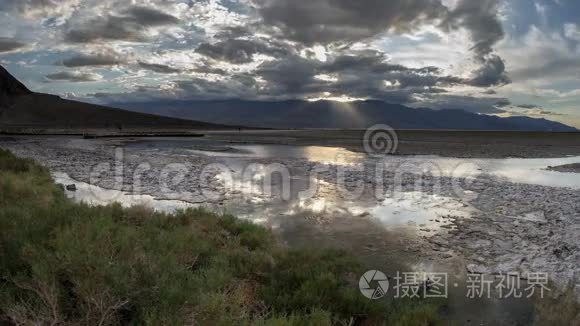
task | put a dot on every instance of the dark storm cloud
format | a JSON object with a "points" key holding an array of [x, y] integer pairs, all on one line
{"points": [[491, 73], [113, 28], [480, 18], [159, 68], [328, 21], [130, 24], [371, 61], [149, 16], [73, 77], [528, 106], [344, 21], [372, 65], [292, 75], [97, 59], [240, 51], [363, 74], [9, 44]]}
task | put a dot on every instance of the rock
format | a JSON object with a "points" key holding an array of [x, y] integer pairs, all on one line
{"points": [[71, 187]]}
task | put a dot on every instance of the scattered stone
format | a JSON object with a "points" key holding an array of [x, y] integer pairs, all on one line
{"points": [[71, 187]]}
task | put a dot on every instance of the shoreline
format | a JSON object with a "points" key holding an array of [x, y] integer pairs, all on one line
{"points": [[457, 144]]}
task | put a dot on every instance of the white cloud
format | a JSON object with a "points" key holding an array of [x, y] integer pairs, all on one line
{"points": [[541, 58], [572, 31]]}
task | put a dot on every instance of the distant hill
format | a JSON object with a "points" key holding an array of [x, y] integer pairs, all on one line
{"points": [[329, 114], [21, 107]]}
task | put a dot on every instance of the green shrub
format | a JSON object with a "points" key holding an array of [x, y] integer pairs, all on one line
{"points": [[68, 263]]}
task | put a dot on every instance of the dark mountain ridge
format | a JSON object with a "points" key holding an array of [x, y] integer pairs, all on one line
{"points": [[22, 108], [10, 88], [297, 114]]}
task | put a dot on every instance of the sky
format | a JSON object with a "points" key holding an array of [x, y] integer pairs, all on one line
{"points": [[498, 57]]}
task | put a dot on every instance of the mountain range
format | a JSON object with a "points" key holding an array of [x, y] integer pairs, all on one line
{"points": [[297, 114]]}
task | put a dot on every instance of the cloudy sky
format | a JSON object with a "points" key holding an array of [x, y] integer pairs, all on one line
{"points": [[503, 57]]}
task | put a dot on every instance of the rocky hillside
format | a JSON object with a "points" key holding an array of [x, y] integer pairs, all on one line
{"points": [[10, 88], [20, 107]]}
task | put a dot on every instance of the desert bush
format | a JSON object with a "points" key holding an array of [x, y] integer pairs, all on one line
{"points": [[63, 263]]}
